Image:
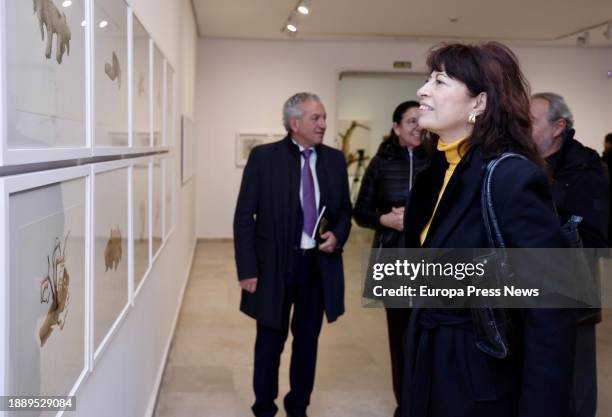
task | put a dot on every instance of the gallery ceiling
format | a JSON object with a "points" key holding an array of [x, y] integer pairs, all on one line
{"points": [[517, 21]]}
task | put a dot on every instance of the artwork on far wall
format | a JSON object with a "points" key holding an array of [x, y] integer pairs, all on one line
{"points": [[141, 91], [110, 250], [245, 142], [45, 73], [140, 178], [187, 149], [46, 288], [110, 70], [158, 95]]}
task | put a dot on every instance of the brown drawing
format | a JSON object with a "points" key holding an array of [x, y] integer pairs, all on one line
{"points": [[113, 251], [113, 70], [55, 22], [54, 290], [141, 84], [346, 143]]}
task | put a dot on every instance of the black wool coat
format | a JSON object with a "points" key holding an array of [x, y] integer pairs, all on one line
{"points": [[268, 224], [445, 374]]}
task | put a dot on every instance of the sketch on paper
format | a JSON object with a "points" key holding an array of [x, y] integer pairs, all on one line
{"points": [[54, 290], [141, 85], [114, 70], [245, 142], [56, 24], [113, 251]]}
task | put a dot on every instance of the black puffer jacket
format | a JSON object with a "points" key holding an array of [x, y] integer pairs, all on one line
{"points": [[386, 184]]}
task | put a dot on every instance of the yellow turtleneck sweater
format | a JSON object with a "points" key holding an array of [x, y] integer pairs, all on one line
{"points": [[451, 151]]}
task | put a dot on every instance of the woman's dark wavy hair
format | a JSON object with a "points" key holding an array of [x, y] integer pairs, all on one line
{"points": [[398, 115], [505, 124]]}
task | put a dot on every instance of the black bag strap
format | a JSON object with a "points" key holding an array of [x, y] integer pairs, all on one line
{"points": [[494, 234]]}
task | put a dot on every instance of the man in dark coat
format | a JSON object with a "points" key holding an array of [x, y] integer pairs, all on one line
{"points": [[607, 158], [580, 187], [283, 257]]}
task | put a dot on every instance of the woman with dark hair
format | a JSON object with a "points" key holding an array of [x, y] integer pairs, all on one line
{"points": [[475, 103], [380, 206]]}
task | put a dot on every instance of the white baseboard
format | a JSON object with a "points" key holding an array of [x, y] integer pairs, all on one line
{"points": [[160, 372]]}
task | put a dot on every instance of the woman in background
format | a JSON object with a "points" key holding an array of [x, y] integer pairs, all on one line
{"points": [[380, 206], [476, 104]]}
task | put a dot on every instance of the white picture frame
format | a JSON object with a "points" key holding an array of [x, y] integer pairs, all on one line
{"points": [[111, 273], [245, 142], [50, 356], [141, 183], [110, 107], [53, 128]]}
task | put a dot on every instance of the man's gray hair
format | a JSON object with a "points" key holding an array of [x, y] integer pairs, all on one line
{"points": [[293, 107], [558, 109]]}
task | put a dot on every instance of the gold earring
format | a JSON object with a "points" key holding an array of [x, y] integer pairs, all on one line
{"points": [[472, 118]]}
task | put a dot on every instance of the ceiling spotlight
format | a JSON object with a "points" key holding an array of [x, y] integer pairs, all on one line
{"points": [[83, 23], [67, 3], [608, 32], [583, 39], [292, 23], [304, 7], [103, 24]]}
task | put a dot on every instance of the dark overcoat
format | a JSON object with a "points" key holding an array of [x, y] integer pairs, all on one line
{"points": [[268, 224], [445, 374]]}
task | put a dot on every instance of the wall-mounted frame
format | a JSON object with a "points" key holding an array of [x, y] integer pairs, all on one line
{"points": [[247, 141], [110, 113], [187, 149], [43, 83], [141, 223], [169, 196], [111, 234], [44, 285], [157, 102], [141, 91], [169, 105], [157, 206]]}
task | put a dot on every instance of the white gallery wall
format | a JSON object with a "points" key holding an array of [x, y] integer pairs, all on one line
{"points": [[242, 86], [127, 374]]}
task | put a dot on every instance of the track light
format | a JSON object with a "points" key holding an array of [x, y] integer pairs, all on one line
{"points": [[304, 7], [583, 39], [608, 32], [292, 23]]}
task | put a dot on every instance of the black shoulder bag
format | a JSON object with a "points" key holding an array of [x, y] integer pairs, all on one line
{"points": [[493, 327]]}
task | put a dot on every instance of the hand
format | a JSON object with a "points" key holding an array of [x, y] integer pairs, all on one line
{"points": [[329, 245], [394, 219], [249, 284]]}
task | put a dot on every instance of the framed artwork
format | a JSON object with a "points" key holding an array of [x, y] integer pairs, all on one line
{"points": [[247, 141], [168, 196], [111, 253], [44, 56], [157, 216], [141, 91], [187, 149], [169, 100], [157, 88], [140, 224], [43, 334], [110, 74]]}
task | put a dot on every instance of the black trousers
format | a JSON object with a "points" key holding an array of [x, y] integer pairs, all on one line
{"points": [[303, 292], [397, 322]]}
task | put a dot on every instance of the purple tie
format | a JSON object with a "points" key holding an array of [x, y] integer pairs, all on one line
{"points": [[309, 203]]}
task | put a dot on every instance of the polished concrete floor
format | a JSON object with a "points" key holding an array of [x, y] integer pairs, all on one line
{"points": [[209, 370]]}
